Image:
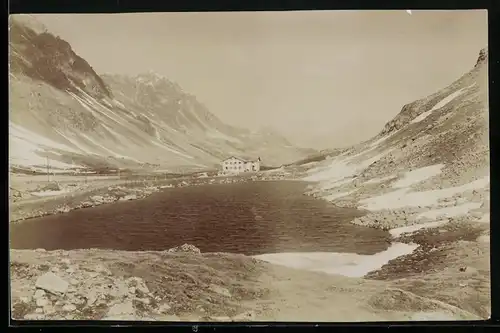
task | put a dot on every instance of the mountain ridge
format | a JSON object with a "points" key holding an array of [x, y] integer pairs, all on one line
{"points": [[62, 110]]}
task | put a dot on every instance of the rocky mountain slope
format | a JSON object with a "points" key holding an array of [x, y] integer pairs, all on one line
{"points": [[61, 109], [438, 143]]}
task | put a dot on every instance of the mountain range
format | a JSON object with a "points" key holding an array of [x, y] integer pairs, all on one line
{"points": [[63, 113]]}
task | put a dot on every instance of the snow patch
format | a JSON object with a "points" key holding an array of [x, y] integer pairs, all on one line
{"points": [[113, 153], [375, 143], [331, 185], [440, 104], [404, 198], [113, 132], [485, 218], [215, 134], [98, 144], [171, 150], [25, 145], [118, 103], [483, 239], [72, 141], [396, 232], [49, 193], [453, 211], [379, 180], [416, 176], [32, 137], [346, 264], [334, 196], [341, 168]]}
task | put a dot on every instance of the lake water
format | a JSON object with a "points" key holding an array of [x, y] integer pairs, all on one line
{"points": [[250, 218]]}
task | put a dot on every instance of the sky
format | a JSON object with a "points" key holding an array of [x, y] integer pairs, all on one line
{"points": [[323, 79]]}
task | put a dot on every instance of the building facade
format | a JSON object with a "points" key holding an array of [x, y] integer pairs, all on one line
{"points": [[235, 165]]}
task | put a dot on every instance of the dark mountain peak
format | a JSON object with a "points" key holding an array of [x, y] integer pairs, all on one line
{"points": [[483, 57], [40, 55]]}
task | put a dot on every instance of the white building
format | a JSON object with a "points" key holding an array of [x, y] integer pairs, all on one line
{"points": [[235, 165]]}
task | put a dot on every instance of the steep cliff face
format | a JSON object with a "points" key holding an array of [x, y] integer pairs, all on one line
{"points": [[61, 109]]}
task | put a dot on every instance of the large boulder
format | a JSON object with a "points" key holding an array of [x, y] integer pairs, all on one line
{"points": [[52, 283], [186, 248]]}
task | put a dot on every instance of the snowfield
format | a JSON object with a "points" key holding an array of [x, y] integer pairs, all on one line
{"points": [[346, 264]]}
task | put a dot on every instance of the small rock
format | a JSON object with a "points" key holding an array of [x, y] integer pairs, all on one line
{"points": [[102, 269], [139, 284], [97, 198], [42, 302], [25, 299], [131, 290], [70, 270], [91, 298], [220, 290], [128, 197], [143, 300], [186, 248], [63, 209], [49, 309], [164, 308], [462, 269], [73, 281], [39, 293], [476, 214], [69, 307], [65, 261], [52, 283], [121, 309], [101, 302], [80, 300], [38, 310], [93, 275]]}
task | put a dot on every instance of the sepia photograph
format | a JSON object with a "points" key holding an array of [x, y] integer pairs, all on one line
{"points": [[294, 166]]}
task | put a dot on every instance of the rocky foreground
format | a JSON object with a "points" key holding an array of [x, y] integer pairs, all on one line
{"points": [[182, 284]]}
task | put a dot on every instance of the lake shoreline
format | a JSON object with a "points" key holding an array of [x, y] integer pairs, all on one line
{"points": [[273, 216], [30, 208]]}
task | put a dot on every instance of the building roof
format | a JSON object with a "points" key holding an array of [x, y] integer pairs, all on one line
{"points": [[241, 158]]}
